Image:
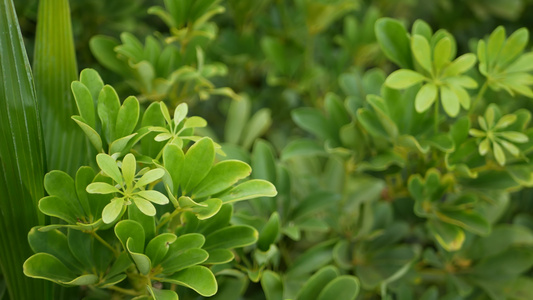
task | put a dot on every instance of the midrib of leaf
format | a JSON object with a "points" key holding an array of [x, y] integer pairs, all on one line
{"points": [[21, 160], [54, 70]]}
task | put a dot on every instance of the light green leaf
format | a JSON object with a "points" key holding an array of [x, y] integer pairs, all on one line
{"points": [[422, 52], [195, 122], [425, 97], [154, 196], [450, 101], [183, 259], [219, 256], [145, 206], [141, 261], [495, 44], [112, 211], [46, 266], [258, 124], [484, 147], [150, 177], [514, 45], [523, 64], [101, 188], [129, 166], [180, 113], [460, 65], [498, 153], [514, 136], [510, 147], [109, 167], [127, 230], [173, 158], [441, 53], [402, 79], [251, 189]]}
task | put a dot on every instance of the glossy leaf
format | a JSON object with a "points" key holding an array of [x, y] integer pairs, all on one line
{"points": [[198, 278]]}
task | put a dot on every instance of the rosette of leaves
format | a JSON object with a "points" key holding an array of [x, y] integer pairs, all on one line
{"points": [[326, 283], [108, 125], [434, 65], [189, 19], [158, 71], [469, 270], [448, 213], [502, 62], [495, 135], [129, 187]]}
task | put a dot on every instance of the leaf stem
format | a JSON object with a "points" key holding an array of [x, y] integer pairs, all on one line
{"points": [[479, 96], [124, 291], [436, 116], [106, 244]]}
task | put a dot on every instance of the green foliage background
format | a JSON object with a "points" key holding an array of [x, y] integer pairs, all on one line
{"points": [[391, 183]]}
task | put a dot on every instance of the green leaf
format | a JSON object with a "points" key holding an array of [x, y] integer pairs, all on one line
{"points": [[450, 101], [154, 196], [250, 189], [222, 176], [162, 294], [402, 79], [128, 229], [101, 188], [129, 166], [127, 117], [54, 70], [84, 102], [212, 207], [394, 42], [238, 115], [145, 206], [219, 256], [342, 287], [468, 220], [173, 158], [311, 120], [258, 124], [317, 282], [441, 53], [198, 278], [514, 136], [109, 167], [197, 164], [301, 147], [183, 259], [112, 211], [21, 157], [498, 153], [158, 247], [425, 97], [312, 259], [460, 65], [514, 45], [102, 47], [141, 261], [195, 122], [272, 285], [91, 134], [180, 113], [92, 80], [269, 233], [150, 177], [231, 237], [422, 52], [450, 237], [108, 108], [495, 44], [46, 266], [54, 243]]}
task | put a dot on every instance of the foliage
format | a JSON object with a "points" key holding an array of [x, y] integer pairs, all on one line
{"points": [[387, 159]]}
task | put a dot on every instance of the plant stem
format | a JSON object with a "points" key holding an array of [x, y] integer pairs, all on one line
{"points": [[124, 291], [436, 124], [479, 96], [106, 244]]}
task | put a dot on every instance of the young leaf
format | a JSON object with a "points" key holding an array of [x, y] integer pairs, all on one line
{"points": [[403, 79], [250, 189]]}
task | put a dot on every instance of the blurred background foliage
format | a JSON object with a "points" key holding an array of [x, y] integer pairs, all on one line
{"points": [[279, 55]]}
